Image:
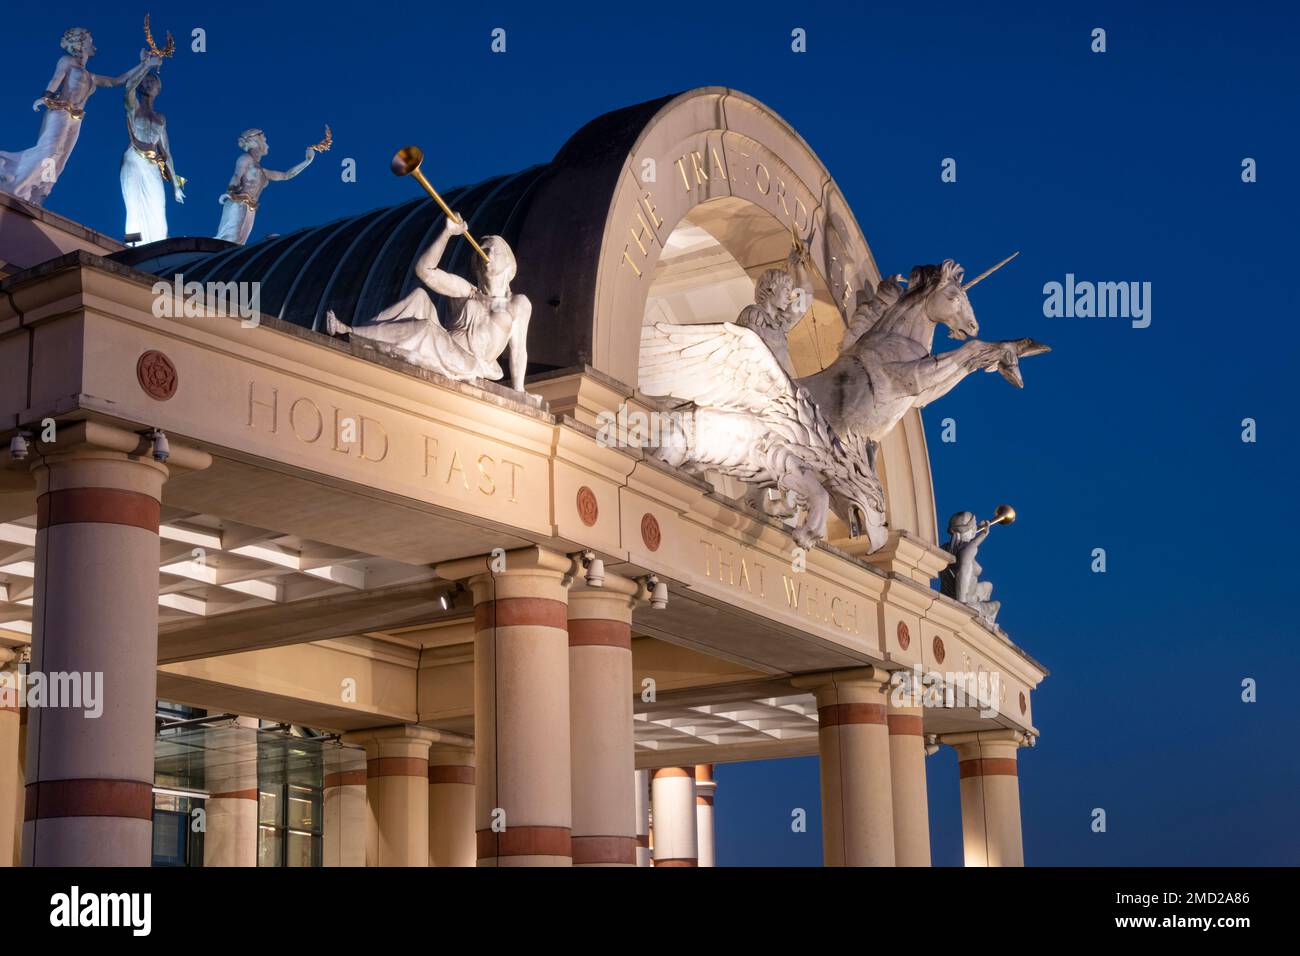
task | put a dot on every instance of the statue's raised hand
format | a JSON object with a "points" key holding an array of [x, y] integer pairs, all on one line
{"points": [[456, 227]]}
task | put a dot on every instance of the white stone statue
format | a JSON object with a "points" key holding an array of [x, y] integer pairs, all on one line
{"points": [[780, 303], [751, 421], [887, 367], [32, 173], [815, 437], [147, 163], [961, 579], [486, 318], [241, 198]]}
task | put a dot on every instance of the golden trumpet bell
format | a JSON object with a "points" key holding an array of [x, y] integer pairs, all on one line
{"points": [[1005, 514], [407, 160]]}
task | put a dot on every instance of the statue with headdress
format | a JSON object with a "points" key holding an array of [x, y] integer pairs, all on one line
{"points": [[240, 200], [32, 173], [147, 162]]}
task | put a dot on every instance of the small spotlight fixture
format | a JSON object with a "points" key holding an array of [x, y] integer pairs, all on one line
{"points": [[931, 744], [595, 569], [658, 592], [161, 450], [20, 445]]}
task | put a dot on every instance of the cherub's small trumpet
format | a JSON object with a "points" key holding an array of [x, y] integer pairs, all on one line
{"points": [[1005, 514]]}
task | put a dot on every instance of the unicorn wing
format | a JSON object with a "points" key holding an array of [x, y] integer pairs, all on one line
{"points": [[719, 366]]}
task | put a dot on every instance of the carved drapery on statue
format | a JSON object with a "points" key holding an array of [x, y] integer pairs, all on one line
{"points": [[30, 174], [486, 318], [815, 437]]}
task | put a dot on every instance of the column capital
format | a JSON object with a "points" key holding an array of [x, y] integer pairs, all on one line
{"points": [[1003, 736], [869, 674], [616, 588], [90, 440], [532, 559], [405, 733]]}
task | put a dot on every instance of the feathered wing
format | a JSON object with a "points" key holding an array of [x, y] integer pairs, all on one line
{"points": [[729, 368], [719, 366]]}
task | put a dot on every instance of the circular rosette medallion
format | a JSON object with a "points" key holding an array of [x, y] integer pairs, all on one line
{"points": [[156, 375], [650, 533], [588, 509]]}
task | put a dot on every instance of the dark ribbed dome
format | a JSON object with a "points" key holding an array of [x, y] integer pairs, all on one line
{"points": [[355, 266], [553, 215]]}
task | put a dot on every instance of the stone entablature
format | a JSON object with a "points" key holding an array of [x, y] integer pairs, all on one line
{"points": [[455, 469]]}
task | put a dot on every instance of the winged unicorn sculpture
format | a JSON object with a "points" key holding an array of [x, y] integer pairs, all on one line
{"points": [[815, 438]]}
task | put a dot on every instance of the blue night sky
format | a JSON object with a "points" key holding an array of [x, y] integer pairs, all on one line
{"points": [[1122, 166]]}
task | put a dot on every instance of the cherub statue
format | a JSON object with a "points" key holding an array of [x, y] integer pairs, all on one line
{"points": [[147, 162], [486, 318], [960, 580], [242, 196], [32, 173]]}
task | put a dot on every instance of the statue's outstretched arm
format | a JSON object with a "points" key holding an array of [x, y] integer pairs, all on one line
{"points": [[131, 77], [426, 268], [278, 177]]}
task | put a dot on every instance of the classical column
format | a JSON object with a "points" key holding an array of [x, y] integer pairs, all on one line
{"points": [[642, 783], [452, 841], [523, 796], [397, 793], [89, 795], [705, 788], [600, 716], [10, 775], [21, 787], [990, 796], [345, 815], [853, 744], [230, 812], [672, 792], [907, 776]]}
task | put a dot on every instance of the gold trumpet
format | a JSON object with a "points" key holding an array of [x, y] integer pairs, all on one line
{"points": [[407, 163], [1005, 514]]}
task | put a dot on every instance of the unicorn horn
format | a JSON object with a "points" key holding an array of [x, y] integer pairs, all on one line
{"points": [[988, 272]]}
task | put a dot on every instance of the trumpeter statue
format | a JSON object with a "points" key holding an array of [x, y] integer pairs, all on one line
{"points": [[961, 579], [486, 317], [32, 173]]}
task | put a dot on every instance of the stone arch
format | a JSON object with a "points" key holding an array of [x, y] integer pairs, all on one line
{"points": [[620, 187]]}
